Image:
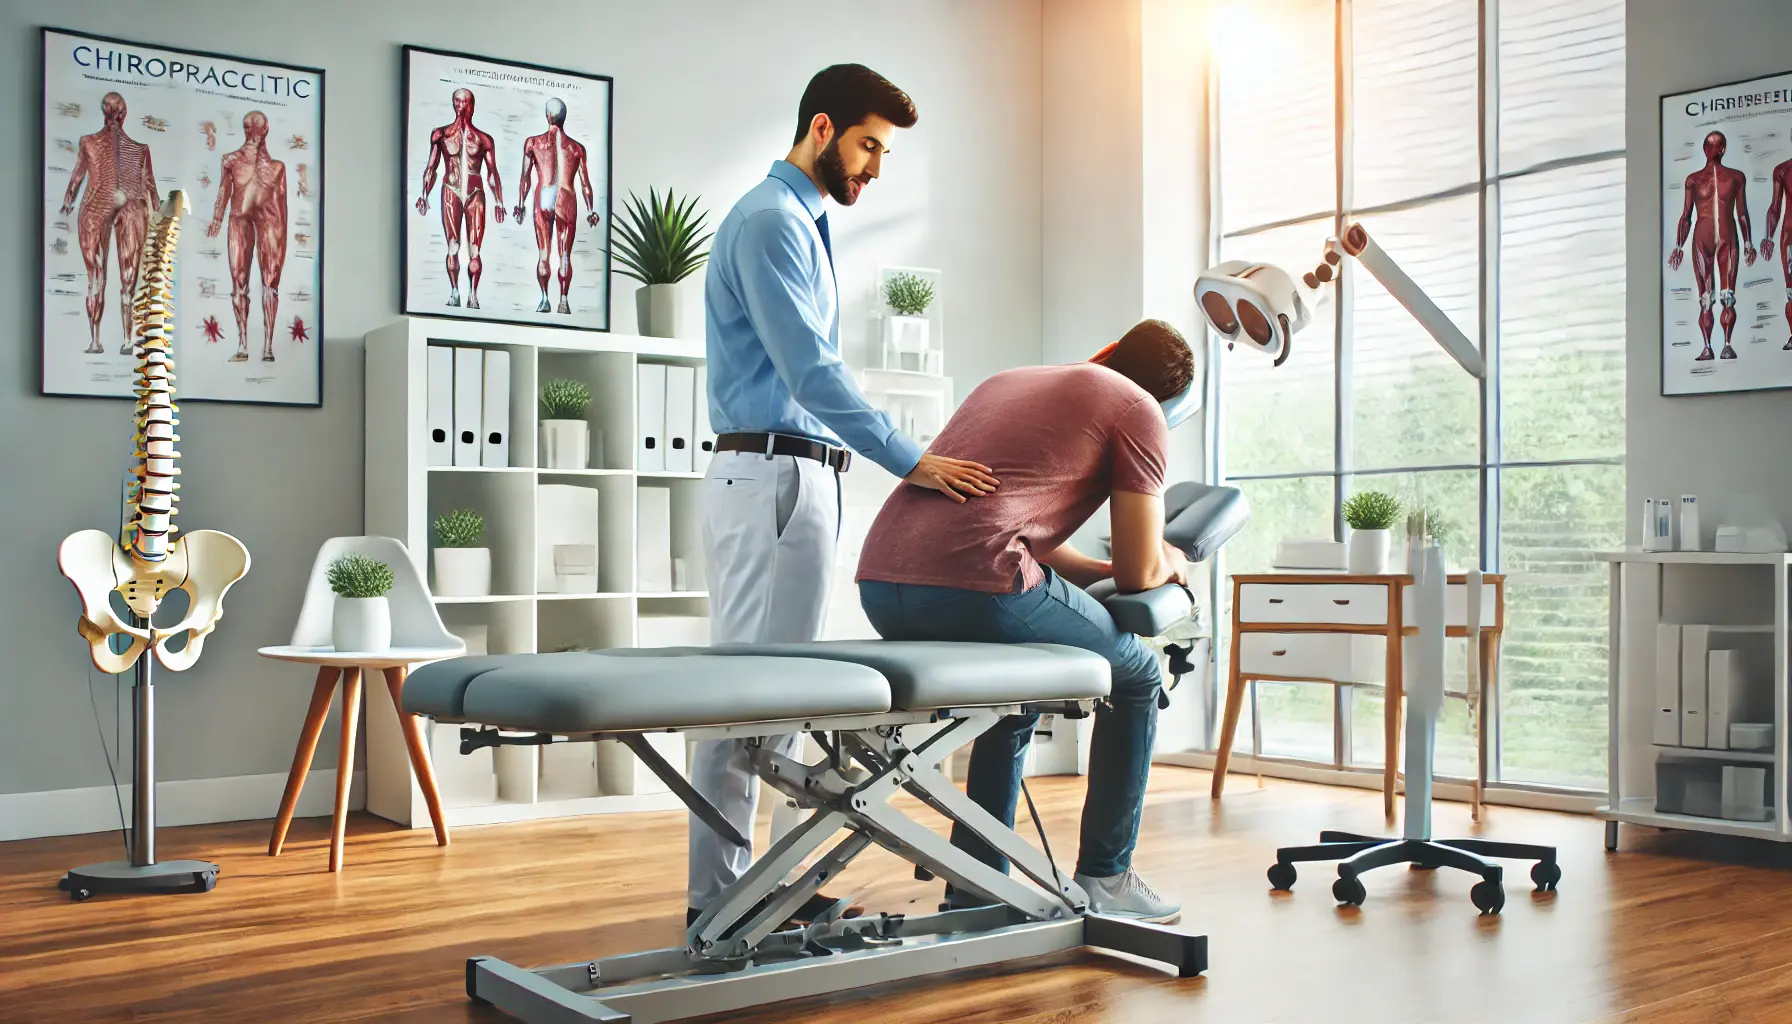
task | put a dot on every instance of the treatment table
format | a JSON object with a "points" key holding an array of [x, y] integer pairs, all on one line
{"points": [[887, 714]]}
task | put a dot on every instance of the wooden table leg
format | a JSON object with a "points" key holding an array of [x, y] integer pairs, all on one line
{"points": [[345, 761], [1489, 672], [1229, 726], [301, 757], [1393, 692], [412, 727]]}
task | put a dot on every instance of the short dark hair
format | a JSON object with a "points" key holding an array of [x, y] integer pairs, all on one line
{"points": [[849, 93], [1153, 355]]}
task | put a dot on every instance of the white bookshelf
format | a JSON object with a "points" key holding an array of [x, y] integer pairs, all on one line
{"points": [[1743, 598], [403, 494]]}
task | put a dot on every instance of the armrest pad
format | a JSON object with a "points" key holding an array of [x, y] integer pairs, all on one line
{"points": [[1148, 613]]}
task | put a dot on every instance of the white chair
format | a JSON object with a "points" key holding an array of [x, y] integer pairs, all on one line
{"points": [[417, 636]]}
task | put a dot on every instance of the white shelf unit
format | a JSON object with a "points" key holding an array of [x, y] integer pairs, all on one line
{"points": [[1742, 597], [404, 494]]}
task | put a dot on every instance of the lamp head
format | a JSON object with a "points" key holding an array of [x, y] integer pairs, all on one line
{"points": [[1254, 303]]}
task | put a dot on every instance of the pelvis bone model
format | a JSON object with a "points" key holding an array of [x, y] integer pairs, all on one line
{"points": [[148, 561]]}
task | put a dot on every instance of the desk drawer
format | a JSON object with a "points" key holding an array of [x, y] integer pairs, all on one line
{"points": [[1353, 604], [1340, 657]]}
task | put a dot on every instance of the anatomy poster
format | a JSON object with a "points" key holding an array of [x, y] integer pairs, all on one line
{"points": [[126, 123], [1726, 219], [506, 191]]}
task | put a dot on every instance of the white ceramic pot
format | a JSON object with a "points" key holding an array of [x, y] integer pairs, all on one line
{"points": [[656, 310], [908, 337], [463, 572], [361, 624], [565, 444], [1367, 551]]}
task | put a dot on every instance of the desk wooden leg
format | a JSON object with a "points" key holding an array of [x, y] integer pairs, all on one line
{"points": [[1489, 674], [1229, 728], [301, 757], [345, 761], [1391, 716], [412, 727]]}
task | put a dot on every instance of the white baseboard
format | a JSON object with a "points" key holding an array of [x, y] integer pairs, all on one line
{"points": [[1442, 789], [69, 812]]}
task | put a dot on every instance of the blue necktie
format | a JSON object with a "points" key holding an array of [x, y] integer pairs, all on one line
{"points": [[821, 225]]}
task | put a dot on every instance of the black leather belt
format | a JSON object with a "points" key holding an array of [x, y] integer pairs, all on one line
{"points": [[837, 459]]}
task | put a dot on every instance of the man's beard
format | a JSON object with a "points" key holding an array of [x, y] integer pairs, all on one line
{"points": [[833, 174]]}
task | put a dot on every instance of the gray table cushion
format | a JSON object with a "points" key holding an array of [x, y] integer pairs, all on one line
{"points": [[939, 674], [591, 692], [1147, 613]]}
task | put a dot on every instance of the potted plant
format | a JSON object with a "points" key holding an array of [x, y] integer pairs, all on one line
{"points": [[1371, 516], [1438, 529], [463, 569], [565, 436], [361, 620], [658, 245], [906, 329]]}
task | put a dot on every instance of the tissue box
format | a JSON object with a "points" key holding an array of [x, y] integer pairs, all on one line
{"points": [[1309, 553]]}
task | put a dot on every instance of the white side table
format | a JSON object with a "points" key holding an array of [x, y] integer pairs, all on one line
{"points": [[349, 666]]}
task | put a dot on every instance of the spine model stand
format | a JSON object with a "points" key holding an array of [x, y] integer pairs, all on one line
{"points": [[143, 567]]}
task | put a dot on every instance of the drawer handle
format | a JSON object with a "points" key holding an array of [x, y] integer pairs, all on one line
{"points": [[1275, 600], [1340, 600], [1278, 654]]}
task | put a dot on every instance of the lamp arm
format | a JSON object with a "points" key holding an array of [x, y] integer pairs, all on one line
{"points": [[1405, 290]]}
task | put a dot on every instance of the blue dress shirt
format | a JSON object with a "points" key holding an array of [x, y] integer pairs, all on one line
{"points": [[773, 328]]}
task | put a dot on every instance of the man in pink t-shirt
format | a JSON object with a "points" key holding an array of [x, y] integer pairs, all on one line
{"points": [[1062, 440]]}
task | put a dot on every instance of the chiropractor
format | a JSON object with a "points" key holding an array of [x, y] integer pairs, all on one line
{"points": [[788, 415]]}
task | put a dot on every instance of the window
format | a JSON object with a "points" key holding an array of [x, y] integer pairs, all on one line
{"points": [[1482, 145]]}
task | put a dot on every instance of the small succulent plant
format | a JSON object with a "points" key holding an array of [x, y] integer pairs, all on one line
{"points": [[460, 528], [1372, 510], [357, 575], [908, 294], [565, 399]]}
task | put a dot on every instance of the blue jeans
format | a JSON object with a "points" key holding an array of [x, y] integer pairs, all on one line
{"points": [[1058, 613]]}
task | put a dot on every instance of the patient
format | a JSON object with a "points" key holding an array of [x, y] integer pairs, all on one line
{"points": [[1063, 440]]}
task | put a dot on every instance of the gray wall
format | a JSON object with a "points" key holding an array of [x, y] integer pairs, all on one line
{"points": [[1723, 444], [705, 99]]}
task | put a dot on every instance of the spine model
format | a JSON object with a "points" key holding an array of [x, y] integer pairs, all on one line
{"points": [[152, 495]]}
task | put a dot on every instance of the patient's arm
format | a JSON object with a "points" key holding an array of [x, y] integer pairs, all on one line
{"points": [[1141, 558], [1075, 566]]}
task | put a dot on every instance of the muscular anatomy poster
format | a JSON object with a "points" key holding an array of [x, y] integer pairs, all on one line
{"points": [[1726, 219], [506, 191], [125, 123]]}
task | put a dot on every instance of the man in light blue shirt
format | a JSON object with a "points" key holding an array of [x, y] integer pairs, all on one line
{"points": [[788, 415]]}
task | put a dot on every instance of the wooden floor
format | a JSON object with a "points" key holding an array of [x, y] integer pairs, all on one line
{"points": [[1677, 928]]}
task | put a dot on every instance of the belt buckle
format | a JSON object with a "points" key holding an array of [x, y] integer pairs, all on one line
{"points": [[845, 455]]}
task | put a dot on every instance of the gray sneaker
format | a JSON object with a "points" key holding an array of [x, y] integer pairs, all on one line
{"points": [[1128, 895]]}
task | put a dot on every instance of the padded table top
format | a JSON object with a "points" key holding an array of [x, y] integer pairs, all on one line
{"points": [[629, 689]]}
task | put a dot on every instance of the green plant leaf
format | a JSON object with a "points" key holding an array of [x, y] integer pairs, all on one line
{"points": [[459, 528], [359, 576], [659, 242], [1371, 510]]}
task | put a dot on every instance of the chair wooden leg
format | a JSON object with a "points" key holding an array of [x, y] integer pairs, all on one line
{"points": [[345, 761], [301, 757], [1229, 727], [412, 727]]}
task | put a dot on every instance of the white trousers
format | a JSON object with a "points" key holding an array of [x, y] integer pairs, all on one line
{"points": [[769, 530]]}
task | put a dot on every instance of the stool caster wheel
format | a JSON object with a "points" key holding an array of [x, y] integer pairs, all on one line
{"points": [[1488, 897], [62, 883], [1546, 874], [1350, 891], [80, 895], [1281, 876]]}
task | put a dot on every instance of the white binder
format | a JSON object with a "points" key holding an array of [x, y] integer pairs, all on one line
{"points": [[1667, 684], [653, 540], [1695, 642], [706, 437], [1724, 699], [650, 426], [681, 394], [440, 407], [469, 385], [496, 451]]}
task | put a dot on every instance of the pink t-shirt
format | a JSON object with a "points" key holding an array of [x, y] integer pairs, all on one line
{"points": [[1061, 439]]}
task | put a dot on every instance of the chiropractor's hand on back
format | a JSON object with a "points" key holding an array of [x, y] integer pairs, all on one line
{"points": [[953, 476]]}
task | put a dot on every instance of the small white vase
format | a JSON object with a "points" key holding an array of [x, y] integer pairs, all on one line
{"points": [[1367, 551], [656, 310], [906, 337], [361, 624], [565, 444], [463, 572]]}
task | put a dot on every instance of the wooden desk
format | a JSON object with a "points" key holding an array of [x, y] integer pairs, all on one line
{"points": [[1297, 627]]}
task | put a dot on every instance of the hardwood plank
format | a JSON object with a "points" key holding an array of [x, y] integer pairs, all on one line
{"points": [[1678, 927]]}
